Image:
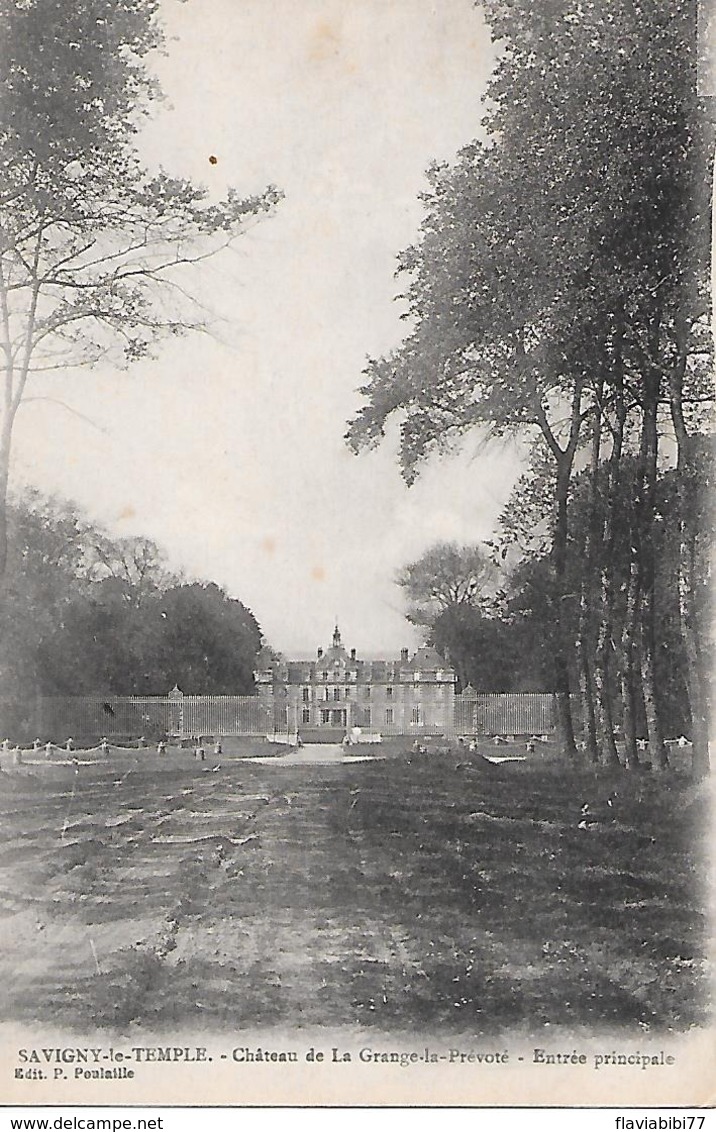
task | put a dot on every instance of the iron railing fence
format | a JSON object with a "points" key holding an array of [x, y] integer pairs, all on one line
{"points": [[511, 713], [178, 716]]}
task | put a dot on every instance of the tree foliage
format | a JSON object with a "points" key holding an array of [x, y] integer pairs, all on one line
{"points": [[88, 613], [445, 576], [96, 251], [559, 289], [447, 590]]}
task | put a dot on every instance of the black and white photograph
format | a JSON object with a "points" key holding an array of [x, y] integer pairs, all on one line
{"points": [[356, 550]]}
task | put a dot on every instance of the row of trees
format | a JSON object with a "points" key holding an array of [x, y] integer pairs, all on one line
{"points": [[559, 292], [496, 625], [89, 613]]}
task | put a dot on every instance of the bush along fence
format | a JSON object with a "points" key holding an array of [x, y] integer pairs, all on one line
{"points": [[179, 716]]}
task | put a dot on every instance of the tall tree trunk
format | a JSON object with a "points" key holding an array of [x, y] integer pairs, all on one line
{"points": [[630, 668], [686, 490], [657, 750], [5, 441], [564, 459], [604, 676], [589, 719], [587, 586], [646, 490], [559, 556], [698, 703], [605, 717]]}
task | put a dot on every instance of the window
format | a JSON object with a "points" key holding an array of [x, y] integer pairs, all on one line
{"points": [[306, 695], [325, 693], [336, 693], [325, 717], [389, 692], [348, 693], [366, 692], [306, 715], [389, 715], [415, 715]]}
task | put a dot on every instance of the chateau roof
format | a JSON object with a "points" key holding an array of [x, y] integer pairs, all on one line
{"points": [[427, 658], [265, 657], [335, 653], [330, 656]]}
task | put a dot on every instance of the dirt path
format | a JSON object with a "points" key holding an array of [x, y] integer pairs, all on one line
{"points": [[234, 892], [322, 891]]}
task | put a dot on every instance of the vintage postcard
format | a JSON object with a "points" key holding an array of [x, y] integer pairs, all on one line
{"points": [[356, 533]]}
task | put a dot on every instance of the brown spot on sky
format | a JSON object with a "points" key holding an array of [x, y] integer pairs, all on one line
{"points": [[213, 160], [127, 512], [268, 544], [318, 574], [325, 42]]}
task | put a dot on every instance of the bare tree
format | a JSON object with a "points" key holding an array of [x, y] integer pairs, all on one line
{"points": [[95, 249]]}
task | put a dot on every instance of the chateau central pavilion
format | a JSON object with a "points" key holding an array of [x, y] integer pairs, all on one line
{"points": [[338, 690]]}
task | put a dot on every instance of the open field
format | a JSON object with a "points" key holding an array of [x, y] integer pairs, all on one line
{"points": [[437, 891]]}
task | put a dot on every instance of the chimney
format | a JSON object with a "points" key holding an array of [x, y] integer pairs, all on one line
{"points": [[320, 653], [353, 654], [404, 656]]}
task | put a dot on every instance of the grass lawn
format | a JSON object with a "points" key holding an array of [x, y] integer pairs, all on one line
{"points": [[433, 891]]}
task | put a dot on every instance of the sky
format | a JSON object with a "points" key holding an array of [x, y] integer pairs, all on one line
{"points": [[228, 449]]}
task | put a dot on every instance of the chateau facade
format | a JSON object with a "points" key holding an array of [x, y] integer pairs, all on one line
{"points": [[338, 690]]}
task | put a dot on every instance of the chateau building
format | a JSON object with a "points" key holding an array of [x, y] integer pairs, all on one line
{"points": [[338, 690]]}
